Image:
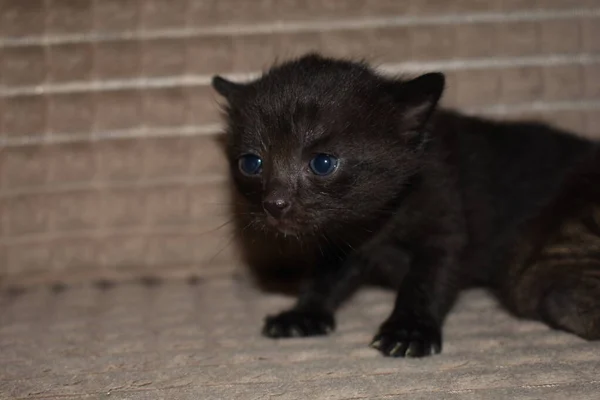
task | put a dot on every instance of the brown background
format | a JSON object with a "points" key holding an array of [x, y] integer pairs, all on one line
{"points": [[108, 161]]}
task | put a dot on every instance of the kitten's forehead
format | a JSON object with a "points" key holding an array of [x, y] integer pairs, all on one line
{"points": [[310, 100], [297, 123], [309, 106], [281, 117], [317, 79]]}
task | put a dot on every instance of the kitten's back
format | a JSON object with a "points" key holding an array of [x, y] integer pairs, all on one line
{"points": [[513, 167], [507, 173]]}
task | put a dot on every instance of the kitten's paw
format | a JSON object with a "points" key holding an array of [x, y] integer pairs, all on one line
{"points": [[296, 323], [408, 337], [574, 307]]}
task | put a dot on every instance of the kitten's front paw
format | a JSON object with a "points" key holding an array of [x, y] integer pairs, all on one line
{"points": [[408, 337], [296, 323]]}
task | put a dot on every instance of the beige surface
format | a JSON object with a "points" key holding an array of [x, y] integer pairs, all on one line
{"points": [[109, 169], [201, 341]]}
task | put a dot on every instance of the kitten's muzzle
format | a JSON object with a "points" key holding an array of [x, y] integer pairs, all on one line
{"points": [[277, 207]]}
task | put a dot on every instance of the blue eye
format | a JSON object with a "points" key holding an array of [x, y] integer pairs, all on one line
{"points": [[323, 164], [250, 164]]}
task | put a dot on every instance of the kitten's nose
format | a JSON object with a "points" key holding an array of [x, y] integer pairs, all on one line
{"points": [[276, 207]]}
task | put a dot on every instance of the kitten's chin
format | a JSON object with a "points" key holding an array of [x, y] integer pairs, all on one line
{"points": [[282, 226]]}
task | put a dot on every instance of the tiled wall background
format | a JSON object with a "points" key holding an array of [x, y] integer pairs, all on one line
{"points": [[109, 165]]}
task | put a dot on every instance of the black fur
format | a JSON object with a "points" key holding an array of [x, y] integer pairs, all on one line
{"points": [[425, 199]]}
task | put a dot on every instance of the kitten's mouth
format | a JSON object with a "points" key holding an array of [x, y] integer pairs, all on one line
{"points": [[284, 226]]}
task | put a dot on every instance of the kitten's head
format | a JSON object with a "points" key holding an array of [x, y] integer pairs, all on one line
{"points": [[316, 144]]}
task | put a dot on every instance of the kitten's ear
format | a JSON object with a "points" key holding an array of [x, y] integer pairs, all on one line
{"points": [[229, 90], [419, 97]]}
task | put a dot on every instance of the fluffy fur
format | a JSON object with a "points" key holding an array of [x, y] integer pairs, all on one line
{"points": [[424, 199]]}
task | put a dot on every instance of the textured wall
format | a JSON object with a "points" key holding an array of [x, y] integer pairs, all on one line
{"points": [[108, 160]]}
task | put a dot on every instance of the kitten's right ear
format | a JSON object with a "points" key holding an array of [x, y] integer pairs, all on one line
{"points": [[419, 97], [229, 90]]}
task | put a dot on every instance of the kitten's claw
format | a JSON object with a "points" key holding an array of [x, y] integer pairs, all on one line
{"points": [[326, 327], [415, 348], [398, 349], [295, 332], [408, 339], [376, 343], [273, 331], [296, 323]]}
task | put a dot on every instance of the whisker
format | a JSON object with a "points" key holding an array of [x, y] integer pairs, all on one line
{"points": [[230, 240], [333, 244], [217, 228], [222, 204], [319, 244]]}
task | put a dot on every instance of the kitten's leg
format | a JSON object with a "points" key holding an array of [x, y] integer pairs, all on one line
{"points": [[313, 313], [561, 286], [573, 303], [424, 298], [556, 274]]}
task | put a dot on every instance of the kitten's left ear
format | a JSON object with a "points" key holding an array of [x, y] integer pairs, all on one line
{"points": [[229, 90], [419, 97]]}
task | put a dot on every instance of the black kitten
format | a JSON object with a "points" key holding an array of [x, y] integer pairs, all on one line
{"points": [[358, 176]]}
